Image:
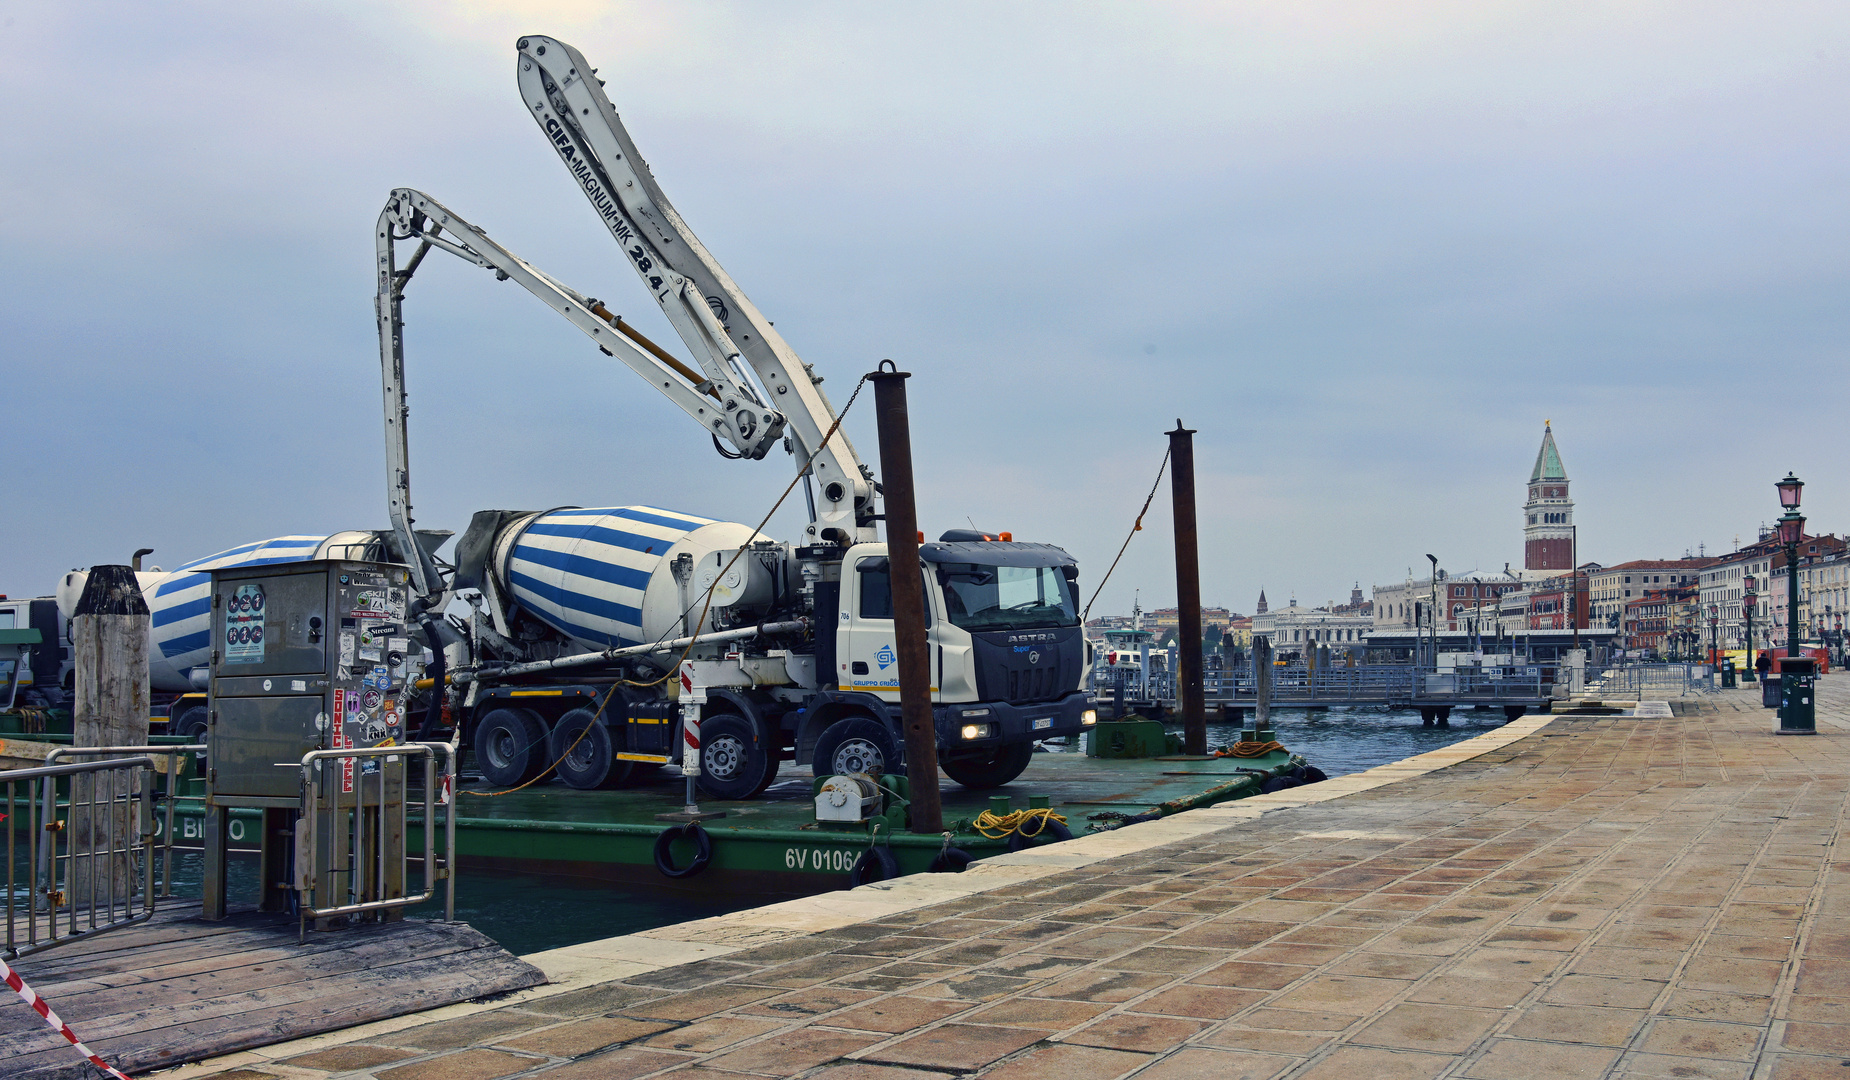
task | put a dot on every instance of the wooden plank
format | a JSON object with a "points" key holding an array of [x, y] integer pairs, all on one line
{"points": [[258, 952], [334, 1009], [251, 945], [238, 987], [148, 1005], [331, 1010], [128, 941], [108, 1002]]}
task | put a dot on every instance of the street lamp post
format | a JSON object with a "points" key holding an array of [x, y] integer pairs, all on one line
{"points": [[1748, 600], [1573, 586], [1433, 613], [1791, 531], [1715, 613]]}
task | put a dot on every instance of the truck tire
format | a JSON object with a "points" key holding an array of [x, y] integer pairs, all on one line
{"points": [[991, 768], [191, 723], [734, 761], [589, 762], [510, 746], [856, 745]]}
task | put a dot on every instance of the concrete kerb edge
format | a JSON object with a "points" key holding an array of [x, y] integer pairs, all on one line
{"points": [[609, 959]]}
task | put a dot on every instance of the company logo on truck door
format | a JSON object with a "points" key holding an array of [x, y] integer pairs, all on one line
{"points": [[1018, 639], [886, 656]]}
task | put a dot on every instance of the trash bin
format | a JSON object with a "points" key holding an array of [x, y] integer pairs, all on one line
{"points": [[1798, 685], [1728, 679], [1769, 691]]}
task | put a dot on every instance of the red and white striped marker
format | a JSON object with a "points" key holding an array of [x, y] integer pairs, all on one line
{"points": [[38, 1006]]}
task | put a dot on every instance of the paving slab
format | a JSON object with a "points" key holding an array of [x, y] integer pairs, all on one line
{"points": [[1568, 897]]}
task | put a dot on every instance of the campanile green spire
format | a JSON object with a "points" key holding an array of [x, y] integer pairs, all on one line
{"points": [[1548, 459]]}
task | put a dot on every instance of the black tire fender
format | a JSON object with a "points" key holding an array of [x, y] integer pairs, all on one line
{"points": [[1310, 774], [1052, 828], [951, 860], [1279, 783], [703, 850], [875, 864]]}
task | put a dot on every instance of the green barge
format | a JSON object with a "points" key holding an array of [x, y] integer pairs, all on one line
{"points": [[772, 846]]}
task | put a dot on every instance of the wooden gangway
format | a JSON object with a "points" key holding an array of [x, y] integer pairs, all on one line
{"points": [[178, 989]]}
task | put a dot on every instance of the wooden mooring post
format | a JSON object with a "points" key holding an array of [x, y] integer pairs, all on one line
{"points": [[1262, 684], [109, 646]]}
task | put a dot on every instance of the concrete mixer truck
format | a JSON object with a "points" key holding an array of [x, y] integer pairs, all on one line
{"points": [[604, 641], [180, 609]]}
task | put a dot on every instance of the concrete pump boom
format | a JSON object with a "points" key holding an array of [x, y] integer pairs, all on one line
{"points": [[734, 344], [413, 215]]}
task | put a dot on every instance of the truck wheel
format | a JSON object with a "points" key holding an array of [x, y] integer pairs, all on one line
{"points": [[510, 746], [989, 768], [588, 762], [191, 724], [733, 759], [856, 745]]}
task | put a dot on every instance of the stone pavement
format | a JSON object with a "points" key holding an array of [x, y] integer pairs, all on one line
{"points": [[1607, 897]]}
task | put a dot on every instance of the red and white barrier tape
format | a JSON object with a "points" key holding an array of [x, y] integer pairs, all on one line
{"points": [[38, 1006]]}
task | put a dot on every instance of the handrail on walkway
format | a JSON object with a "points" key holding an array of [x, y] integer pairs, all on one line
{"points": [[339, 816]]}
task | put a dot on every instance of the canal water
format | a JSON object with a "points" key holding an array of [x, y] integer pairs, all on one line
{"points": [[529, 912], [1351, 738]]}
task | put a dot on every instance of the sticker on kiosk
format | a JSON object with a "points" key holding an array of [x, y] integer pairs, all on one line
{"points": [[244, 626]]}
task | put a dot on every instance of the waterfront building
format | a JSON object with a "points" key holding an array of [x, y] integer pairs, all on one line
{"points": [[1646, 621], [1469, 597], [1169, 618], [1826, 582], [1724, 580], [1293, 629], [1611, 588], [1548, 515], [1560, 602], [1812, 549]]}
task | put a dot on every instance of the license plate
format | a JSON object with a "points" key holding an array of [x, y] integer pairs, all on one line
{"points": [[1043, 722]]}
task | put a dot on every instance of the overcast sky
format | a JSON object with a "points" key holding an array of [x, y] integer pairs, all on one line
{"points": [[1366, 249]]}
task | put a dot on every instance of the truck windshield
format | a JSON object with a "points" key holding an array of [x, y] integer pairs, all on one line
{"points": [[979, 597]]}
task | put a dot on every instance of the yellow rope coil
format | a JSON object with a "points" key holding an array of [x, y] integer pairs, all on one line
{"points": [[1249, 749], [998, 826]]}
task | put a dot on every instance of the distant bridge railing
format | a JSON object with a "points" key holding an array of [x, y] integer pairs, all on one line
{"points": [[1363, 684]]}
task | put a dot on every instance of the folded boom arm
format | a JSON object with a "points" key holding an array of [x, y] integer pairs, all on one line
{"points": [[413, 215], [734, 344]]}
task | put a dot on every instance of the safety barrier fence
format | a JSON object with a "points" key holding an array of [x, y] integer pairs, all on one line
{"points": [[84, 852], [1671, 680]]}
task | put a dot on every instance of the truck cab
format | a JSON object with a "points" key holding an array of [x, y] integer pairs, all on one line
{"points": [[1007, 656], [43, 679]]}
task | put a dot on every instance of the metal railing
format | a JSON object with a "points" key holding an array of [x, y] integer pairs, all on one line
{"points": [[86, 863], [1671, 680], [1363, 683], [174, 757], [336, 825]]}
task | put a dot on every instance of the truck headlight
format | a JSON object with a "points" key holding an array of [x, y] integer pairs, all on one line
{"points": [[1089, 717], [975, 731]]}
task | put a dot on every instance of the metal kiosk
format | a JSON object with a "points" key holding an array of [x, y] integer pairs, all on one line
{"points": [[308, 657], [1798, 693]]}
